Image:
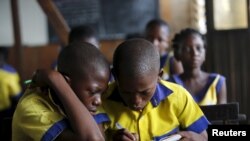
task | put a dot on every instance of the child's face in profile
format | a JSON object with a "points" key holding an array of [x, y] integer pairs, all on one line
{"points": [[137, 92], [192, 52], [90, 88], [159, 36]]}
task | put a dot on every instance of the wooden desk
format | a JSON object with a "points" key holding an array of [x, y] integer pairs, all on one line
{"points": [[223, 113]]}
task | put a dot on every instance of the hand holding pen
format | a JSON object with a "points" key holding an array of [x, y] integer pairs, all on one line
{"points": [[123, 134]]}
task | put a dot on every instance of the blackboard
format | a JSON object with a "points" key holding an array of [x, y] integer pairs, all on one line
{"points": [[112, 19]]}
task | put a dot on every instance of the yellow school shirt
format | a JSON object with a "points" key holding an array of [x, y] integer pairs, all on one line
{"points": [[37, 117], [208, 95], [9, 86], [171, 109]]}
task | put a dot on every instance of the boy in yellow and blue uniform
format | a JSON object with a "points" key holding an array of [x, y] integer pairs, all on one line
{"points": [[157, 31], [10, 92], [10, 88], [206, 88], [143, 105], [55, 111]]}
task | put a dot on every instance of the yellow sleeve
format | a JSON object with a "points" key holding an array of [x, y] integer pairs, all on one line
{"points": [[191, 117], [36, 118], [14, 85], [9, 87]]}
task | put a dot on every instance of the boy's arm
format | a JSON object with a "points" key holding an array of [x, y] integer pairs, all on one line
{"points": [[81, 121], [192, 136]]}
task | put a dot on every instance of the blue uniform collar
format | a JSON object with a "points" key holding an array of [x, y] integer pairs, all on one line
{"points": [[161, 93]]}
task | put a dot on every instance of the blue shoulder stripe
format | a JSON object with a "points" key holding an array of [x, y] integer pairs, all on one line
{"points": [[8, 68], [55, 130], [100, 118], [199, 125]]}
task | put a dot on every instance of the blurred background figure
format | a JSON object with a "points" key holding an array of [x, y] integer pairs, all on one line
{"points": [[10, 90], [157, 31], [82, 33]]}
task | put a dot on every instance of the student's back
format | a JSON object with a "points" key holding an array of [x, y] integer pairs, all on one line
{"points": [[10, 91], [10, 88], [206, 88]]}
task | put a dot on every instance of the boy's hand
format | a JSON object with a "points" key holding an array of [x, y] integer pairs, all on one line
{"points": [[125, 135], [191, 136], [43, 78]]}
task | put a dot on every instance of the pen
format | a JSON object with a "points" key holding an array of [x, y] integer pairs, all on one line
{"points": [[27, 81], [118, 126]]}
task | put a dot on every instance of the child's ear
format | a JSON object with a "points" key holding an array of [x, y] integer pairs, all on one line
{"points": [[68, 80], [161, 73]]}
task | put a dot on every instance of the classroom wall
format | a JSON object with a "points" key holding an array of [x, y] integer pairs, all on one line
{"points": [[33, 23], [35, 57], [43, 56]]}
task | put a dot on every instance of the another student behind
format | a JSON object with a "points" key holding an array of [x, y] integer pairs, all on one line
{"points": [[85, 33], [82, 33], [206, 88], [145, 106], [158, 32], [10, 88], [58, 113]]}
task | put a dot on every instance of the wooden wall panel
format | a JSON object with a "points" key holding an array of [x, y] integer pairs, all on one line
{"points": [[34, 58], [228, 53]]}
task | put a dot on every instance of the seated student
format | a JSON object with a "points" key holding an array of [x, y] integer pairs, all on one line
{"points": [[141, 105], [57, 112], [10, 92], [10, 88], [85, 33], [206, 88], [82, 33], [157, 31]]}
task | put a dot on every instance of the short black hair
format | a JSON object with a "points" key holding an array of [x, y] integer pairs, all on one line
{"points": [[155, 23], [180, 37], [135, 57], [80, 32], [79, 58]]}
